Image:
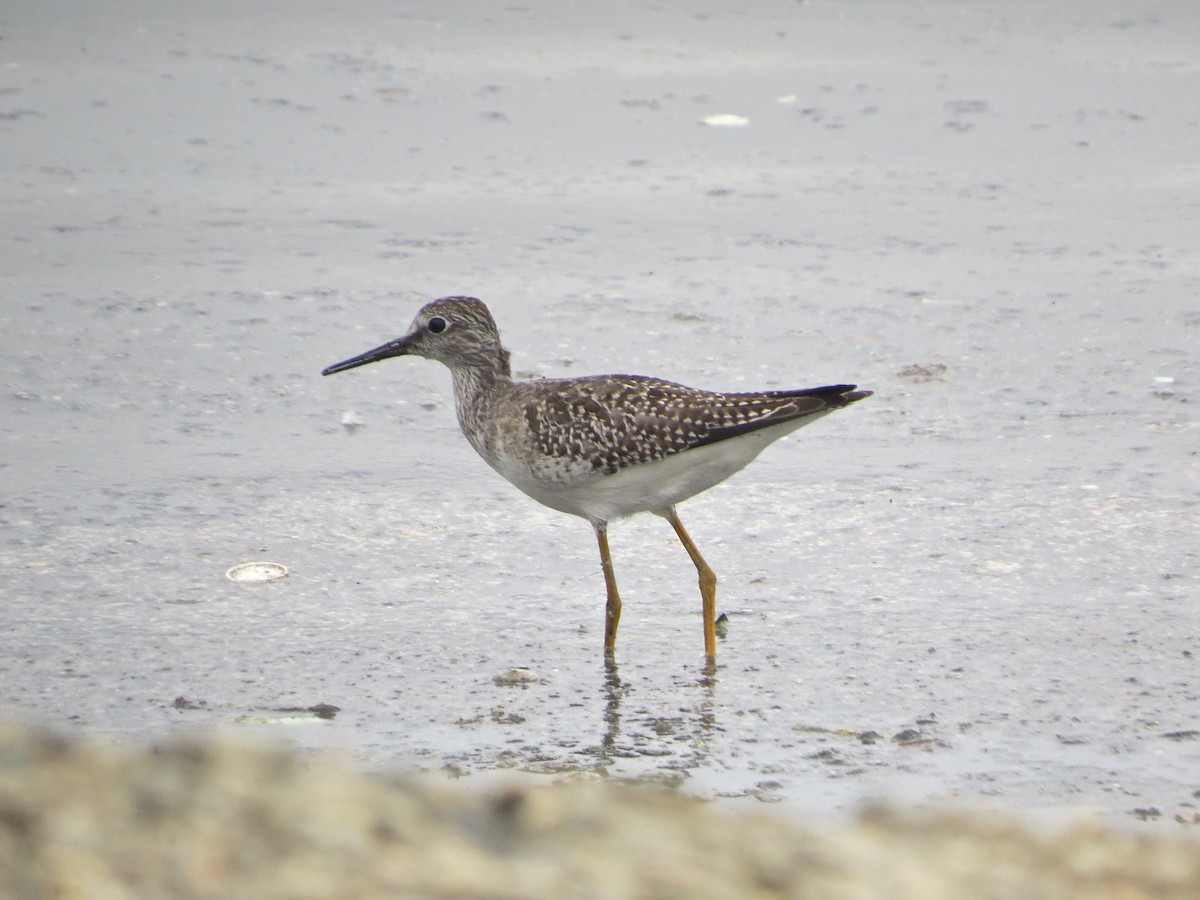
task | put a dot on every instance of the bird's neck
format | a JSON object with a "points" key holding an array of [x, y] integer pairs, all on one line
{"points": [[476, 378], [477, 390]]}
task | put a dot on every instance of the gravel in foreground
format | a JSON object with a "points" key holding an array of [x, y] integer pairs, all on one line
{"points": [[216, 819]]}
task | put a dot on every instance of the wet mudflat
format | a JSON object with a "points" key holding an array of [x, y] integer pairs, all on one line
{"points": [[978, 586]]}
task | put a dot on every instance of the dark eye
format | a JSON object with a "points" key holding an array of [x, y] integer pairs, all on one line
{"points": [[437, 325]]}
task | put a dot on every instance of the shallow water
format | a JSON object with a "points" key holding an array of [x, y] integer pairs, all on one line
{"points": [[996, 552]]}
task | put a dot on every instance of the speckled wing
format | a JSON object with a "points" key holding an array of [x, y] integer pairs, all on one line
{"points": [[612, 422]]}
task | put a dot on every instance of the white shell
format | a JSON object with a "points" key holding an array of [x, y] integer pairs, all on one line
{"points": [[256, 572], [726, 120]]}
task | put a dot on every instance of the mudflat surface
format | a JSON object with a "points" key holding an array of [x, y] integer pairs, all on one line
{"points": [[979, 586]]}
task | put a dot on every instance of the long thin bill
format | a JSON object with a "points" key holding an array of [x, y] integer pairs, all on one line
{"points": [[398, 347]]}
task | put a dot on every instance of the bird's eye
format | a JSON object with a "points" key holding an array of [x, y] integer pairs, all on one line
{"points": [[437, 325]]}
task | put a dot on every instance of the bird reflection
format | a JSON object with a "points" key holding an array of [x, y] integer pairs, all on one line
{"points": [[683, 739]]}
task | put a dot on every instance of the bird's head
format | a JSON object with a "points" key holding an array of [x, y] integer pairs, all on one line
{"points": [[457, 331]]}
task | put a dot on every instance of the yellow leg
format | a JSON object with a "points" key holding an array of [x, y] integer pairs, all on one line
{"points": [[612, 608], [708, 586]]}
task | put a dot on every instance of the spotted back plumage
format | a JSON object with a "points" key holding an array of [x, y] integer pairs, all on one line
{"points": [[614, 421]]}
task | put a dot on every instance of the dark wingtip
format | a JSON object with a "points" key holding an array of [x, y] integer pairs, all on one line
{"points": [[834, 394]]}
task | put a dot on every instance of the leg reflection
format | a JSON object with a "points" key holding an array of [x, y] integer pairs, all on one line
{"points": [[614, 692]]}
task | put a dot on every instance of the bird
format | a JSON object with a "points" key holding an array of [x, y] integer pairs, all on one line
{"points": [[602, 447]]}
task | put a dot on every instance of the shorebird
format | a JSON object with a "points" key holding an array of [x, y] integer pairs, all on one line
{"points": [[606, 446]]}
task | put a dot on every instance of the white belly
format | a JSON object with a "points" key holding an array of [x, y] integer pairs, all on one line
{"points": [[647, 487]]}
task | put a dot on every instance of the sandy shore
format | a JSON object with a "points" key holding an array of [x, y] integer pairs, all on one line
{"points": [[212, 819]]}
